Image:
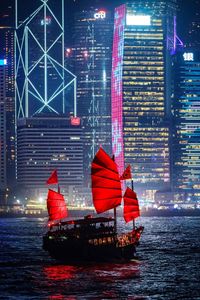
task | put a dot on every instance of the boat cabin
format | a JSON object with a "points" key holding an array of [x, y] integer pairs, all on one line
{"points": [[88, 226]]}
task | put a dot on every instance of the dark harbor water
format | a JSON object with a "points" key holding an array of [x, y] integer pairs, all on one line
{"points": [[167, 267]]}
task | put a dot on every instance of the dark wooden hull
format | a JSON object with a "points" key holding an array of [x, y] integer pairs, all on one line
{"points": [[73, 249], [81, 251]]}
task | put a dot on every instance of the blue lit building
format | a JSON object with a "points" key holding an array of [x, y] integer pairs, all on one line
{"points": [[41, 77], [46, 143], [46, 139], [186, 110], [3, 181], [7, 51], [91, 56]]}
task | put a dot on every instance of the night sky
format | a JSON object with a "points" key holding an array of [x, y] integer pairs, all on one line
{"points": [[188, 10]]}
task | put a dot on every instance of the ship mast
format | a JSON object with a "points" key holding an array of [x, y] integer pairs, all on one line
{"points": [[132, 186], [115, 219]]}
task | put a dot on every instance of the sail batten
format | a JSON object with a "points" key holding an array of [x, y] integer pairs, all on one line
{"points": [[106, 186], [56, 206], [131, 205]]}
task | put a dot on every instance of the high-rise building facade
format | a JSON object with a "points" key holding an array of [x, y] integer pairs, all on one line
{"points": [[186, 110], [144, 37], [41, 82], [192, 35], [41, 77], [7, 51], [91, 57], [3, 181], [45, 144]]}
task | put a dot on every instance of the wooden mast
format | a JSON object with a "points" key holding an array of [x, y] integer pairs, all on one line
{"points": [[115, 217], [132, 186]]}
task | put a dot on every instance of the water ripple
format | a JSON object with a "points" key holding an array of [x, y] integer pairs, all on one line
{"points": [[166, 266]]}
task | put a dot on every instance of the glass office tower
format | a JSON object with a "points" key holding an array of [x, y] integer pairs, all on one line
{"points": [[7, 51], [46, 143], [3, 181], [43, 128], [92, 56], [186, 108], [144, 37]]}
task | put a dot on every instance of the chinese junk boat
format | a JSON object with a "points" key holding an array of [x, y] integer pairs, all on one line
{"points": [[94, 238]]}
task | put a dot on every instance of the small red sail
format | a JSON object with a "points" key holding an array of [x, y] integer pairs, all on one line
{"points": [[106, 186], [53, 179], [56, 206], [131, 206], [127, 173]]}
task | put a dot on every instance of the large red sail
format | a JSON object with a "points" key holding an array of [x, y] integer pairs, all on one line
{"points": [[131, 206], [106, 186], [56, 206]]}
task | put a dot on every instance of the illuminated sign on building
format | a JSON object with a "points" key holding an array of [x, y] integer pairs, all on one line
{"points": [[3, 62], [116, 87], [75, 121], [100, 14], [188, 56], [48, 21], [138, 20]]}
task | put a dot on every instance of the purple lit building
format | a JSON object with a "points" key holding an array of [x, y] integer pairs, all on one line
{"points": [[144, 39]]}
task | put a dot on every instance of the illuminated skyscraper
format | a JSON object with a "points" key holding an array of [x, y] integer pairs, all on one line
{"points": [[7, 51], [3, 181], [193, 34], [41, 81], [91, 55], [144, 38], [45, 144], [186, 107], [41, 77]]}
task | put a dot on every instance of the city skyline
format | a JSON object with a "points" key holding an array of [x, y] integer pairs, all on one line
{"points": [[89, 52]]}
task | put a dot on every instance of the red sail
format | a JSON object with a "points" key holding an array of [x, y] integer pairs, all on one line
{"points": [[53, 179], [131, 206], [56, 206], [127, 173], [106, 186]]}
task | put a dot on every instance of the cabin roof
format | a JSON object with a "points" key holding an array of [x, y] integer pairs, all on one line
{"points": [[86, 221]]}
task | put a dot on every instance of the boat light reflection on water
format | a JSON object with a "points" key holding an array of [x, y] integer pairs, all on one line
{"points": [[102, 272], [60, 272]]}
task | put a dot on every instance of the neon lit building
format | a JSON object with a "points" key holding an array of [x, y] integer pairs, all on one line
{"points": [[91, 55], [186, 108], [144, 37]]}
